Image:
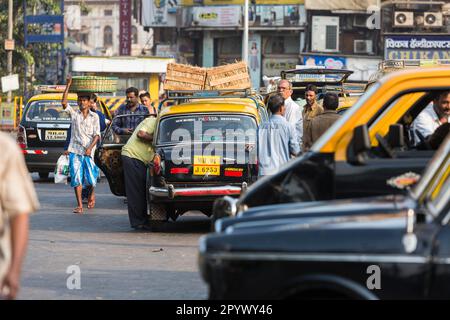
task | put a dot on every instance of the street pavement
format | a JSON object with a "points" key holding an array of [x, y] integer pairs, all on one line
{"points": [[115, 262]]}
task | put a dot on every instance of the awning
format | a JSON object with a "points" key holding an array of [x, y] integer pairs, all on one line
{"points": [[354, 5]]}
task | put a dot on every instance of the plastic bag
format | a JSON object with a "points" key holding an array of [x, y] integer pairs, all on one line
{"points": [[62, 169]]}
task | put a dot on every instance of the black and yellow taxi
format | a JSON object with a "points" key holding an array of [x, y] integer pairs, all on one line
{"points": [[42, 131], [205, 145], [357, 156]]}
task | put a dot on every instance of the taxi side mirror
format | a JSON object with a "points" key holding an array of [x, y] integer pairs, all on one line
{"points": [[396, 136], [360, 145]]}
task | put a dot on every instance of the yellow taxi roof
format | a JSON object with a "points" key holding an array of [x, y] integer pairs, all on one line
{"points": [[234, 105], [52, 96]]}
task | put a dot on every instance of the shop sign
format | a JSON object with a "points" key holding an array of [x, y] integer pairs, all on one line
{"points": [[228, 16], [329, 62], [417, 47]]}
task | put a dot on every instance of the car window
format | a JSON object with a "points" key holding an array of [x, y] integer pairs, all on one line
{"points": [[208, 128], [48, 111]]}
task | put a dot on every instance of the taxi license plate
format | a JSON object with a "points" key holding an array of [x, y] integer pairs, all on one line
{"points": [[55, 135], [206, 165]]}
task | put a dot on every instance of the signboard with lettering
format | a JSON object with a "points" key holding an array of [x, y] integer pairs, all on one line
{"points": [[159, 13], [125, 28], [417, 47], [227, 16], [272, 67], [241, 2]]}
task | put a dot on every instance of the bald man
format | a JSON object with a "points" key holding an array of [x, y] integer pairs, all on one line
{"points": [[293, 112]]}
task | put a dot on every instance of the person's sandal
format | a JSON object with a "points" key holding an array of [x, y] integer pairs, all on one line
{"points": [[78, 210]]}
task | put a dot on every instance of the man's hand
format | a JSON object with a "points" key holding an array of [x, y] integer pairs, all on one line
{"points": [[66, 153], [88, 152], [128, 131], [69, 79], [10, 285]]}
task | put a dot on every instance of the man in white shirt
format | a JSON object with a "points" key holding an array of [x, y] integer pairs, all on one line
{"points": [[293, 112], [432, 117]]}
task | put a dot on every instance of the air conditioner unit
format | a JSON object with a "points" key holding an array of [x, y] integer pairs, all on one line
{"points": [[403, 19], [432, 19], [325, 34], [363, 46]]}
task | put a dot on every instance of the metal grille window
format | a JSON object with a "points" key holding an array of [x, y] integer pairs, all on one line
{"points": [[331, 38], [108, 13]]}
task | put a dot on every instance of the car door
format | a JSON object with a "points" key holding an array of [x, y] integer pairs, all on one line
{"points": [[108, 158]]}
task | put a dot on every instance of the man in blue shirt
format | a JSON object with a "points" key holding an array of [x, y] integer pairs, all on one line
{"points": [[277, 139], [126, 125]]}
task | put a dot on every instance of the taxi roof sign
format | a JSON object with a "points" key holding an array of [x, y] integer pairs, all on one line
{"points": [[51, 88]]}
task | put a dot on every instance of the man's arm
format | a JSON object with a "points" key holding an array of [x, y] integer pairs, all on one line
{"points": [[294, 147], [19, 240], [96, 136], [145, 136], [66, 92]]}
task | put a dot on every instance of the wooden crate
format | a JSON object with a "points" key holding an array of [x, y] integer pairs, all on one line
{"points": [[230, 76], [184, 77]]}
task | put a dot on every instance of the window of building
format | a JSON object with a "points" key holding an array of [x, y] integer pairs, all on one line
{"points": [[108, 13], [108, 37], [134, 34], [282, 45]]}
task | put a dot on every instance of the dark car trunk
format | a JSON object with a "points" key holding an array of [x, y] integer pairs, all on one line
{"points": [[208, 162], [46, 135]]}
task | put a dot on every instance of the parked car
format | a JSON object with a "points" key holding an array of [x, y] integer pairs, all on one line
{"points": [[366, 147], [189, 173], [388, 247], [43, 128]]}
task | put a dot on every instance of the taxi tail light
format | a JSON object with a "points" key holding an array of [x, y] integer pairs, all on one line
{"points": [[21, 137], [157, 164], [179, 171]]}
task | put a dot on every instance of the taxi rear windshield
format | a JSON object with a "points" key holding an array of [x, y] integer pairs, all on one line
{"points": [[208, 128], [48, 110]]}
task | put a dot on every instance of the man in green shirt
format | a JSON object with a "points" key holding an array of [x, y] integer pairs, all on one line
{"points": [[136, 155]]}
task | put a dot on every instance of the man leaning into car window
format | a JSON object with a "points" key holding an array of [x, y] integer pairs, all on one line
{"points": [[85, 126]]}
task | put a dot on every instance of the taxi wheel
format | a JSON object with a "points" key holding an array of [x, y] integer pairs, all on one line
{"points": [[44, 175]]}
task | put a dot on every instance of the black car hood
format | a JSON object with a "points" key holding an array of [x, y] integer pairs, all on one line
{"points": [[323, 227], [328, 210]]}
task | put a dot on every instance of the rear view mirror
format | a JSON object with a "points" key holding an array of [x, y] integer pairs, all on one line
{"points": [[361, 141], [360, 145], [396, 136]]}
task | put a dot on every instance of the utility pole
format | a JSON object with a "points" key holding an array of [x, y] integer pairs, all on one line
{"points": [[10, 37], [245, 36]]}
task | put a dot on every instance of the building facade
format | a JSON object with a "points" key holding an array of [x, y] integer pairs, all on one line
{"points": [[92, 28]]}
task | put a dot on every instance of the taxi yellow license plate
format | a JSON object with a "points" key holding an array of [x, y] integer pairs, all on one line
{"points": [[207, 165], [57, 135]]}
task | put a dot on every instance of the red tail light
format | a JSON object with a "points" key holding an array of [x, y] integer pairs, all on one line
{"points": [[233, 173], [157, 164], [179, 171], [22, 138]]}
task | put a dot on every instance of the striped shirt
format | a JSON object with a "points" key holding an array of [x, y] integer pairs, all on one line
{"points": [[83, 132], [119, 124]]}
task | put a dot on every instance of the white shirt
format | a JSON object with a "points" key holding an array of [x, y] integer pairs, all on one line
{"points": [[293, 115], [426, 123], [83, 131]]}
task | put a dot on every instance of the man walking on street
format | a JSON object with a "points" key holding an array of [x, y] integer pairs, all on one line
{"points": [[323, 121], [85, 134], [17, 200], [277, 139], [310, 110], [136, 155], [293, 112], [126, 125]]}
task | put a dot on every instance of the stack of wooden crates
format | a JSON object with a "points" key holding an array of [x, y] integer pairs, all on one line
{"points": [[185, 77]]}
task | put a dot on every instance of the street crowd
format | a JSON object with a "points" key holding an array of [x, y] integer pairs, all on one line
{"points": [[291, 130]]}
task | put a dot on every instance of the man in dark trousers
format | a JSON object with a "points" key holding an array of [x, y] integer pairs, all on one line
{"points": [[321, 122], [136, 155]]}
